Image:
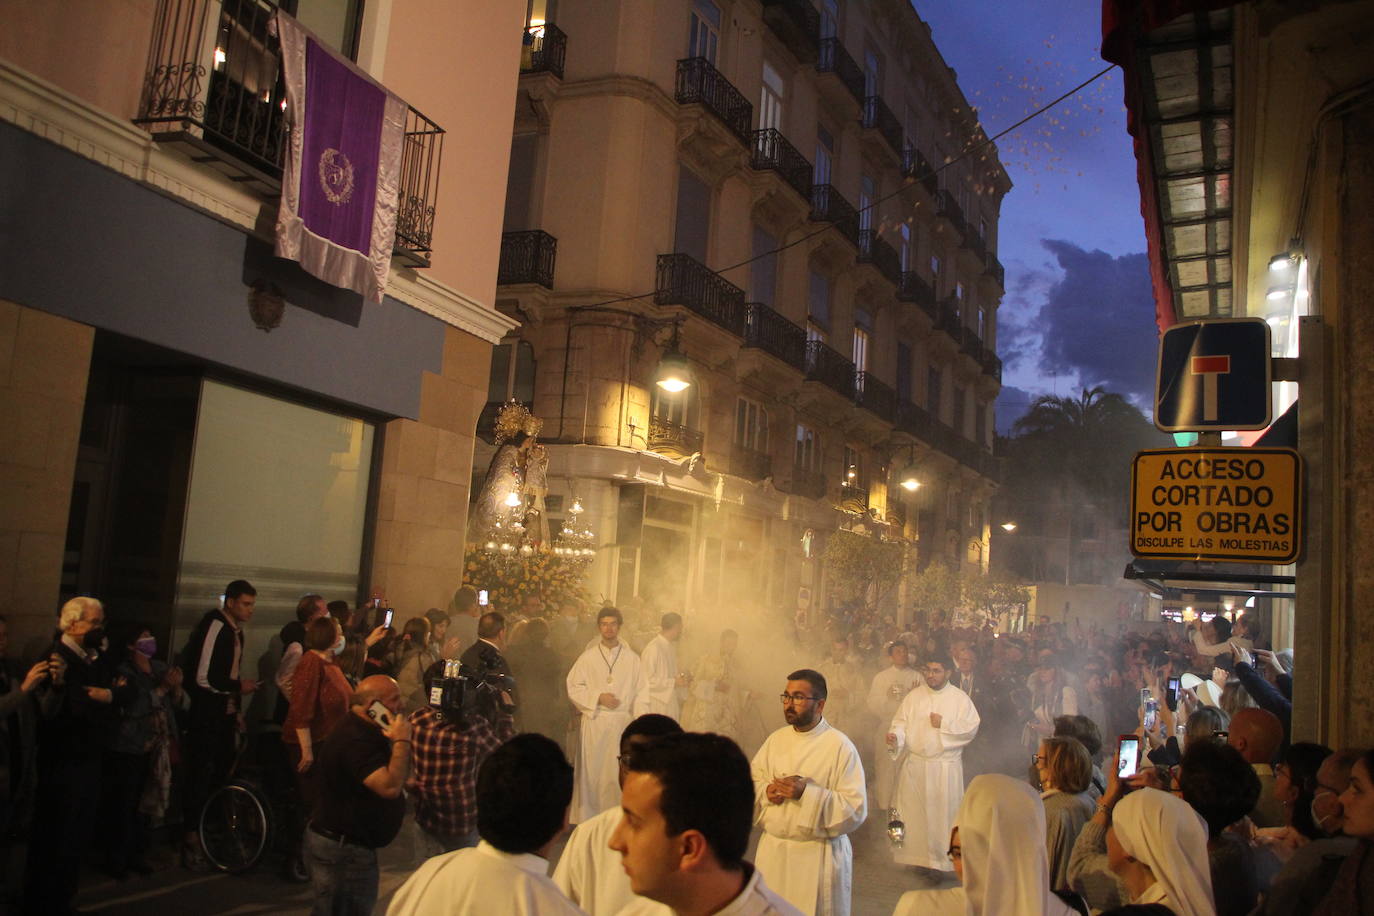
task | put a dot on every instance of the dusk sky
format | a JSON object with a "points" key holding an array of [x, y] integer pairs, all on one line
{"points": [[1078, 310]]}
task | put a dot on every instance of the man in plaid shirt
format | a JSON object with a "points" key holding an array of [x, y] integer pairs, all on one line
{"points": [[447, 751]]}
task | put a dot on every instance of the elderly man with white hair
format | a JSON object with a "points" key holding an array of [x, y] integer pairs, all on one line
{"points": [[77, 709]]}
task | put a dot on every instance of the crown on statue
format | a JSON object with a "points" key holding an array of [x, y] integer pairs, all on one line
{"points": [[516, 418]]}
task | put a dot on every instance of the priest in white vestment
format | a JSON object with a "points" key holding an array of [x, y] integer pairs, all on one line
{"points": [[665, 684], [890, 686], [604, 684], [589, 871], [716, 700], [932, 726], [809, 795]]}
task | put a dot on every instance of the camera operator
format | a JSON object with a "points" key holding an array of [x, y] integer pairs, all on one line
{"points": [[464, 722]]}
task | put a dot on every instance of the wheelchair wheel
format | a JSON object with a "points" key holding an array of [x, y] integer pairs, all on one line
{"points": [[234, 827]]}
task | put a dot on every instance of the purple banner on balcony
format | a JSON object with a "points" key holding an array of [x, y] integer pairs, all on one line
{"points": [[339, 183]]}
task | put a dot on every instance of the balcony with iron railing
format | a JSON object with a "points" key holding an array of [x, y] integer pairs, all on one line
{"points": [[970, 344], [750, 464], [836, 60], [875, 396], [527, 257], [544, 50], [798, 24], [992, 365], [912, 287], [878, 116], [993, 268], [808, 482], [974, 243], [947, 208], [766, 330], [829, 206], [215, 86], [683, 280], [771, 151], [917, 167], [853, 497], [828, 367], [913, 420], [947, 318], [698, 82], [873, 250], [673, 438]]}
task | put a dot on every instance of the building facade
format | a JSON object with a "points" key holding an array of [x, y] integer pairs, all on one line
{"points": [[792, 203], [193, 409], [1254, 124]]}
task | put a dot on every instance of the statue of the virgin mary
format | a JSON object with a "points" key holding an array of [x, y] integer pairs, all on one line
{"points": [[502, 496]]}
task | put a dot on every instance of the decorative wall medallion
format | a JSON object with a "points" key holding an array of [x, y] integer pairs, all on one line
{"points": [[336, 176]]}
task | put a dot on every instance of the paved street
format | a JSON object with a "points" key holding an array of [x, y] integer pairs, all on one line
{"points": [[877, 884]]}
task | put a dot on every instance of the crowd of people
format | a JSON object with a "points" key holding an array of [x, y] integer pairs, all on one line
{"points": [[1058, 769]]}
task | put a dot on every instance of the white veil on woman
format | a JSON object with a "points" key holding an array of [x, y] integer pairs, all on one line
{"points": [[1166, 834], [1002, 833]]}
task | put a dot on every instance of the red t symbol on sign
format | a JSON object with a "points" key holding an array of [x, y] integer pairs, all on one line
{"points": [[1209, 367]]}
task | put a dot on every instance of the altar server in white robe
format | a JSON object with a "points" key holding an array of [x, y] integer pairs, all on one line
{"points": [[589, 871], [604, 684], [932, 726], [808, 796], [890, 686], [523, 790], [665, 685]]}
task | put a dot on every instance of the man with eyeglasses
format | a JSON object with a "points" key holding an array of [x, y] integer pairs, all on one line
{"points": [[808, 797], [933, 724]]}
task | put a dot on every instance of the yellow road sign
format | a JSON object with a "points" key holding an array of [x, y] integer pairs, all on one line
{"points": [[1238, 504]]}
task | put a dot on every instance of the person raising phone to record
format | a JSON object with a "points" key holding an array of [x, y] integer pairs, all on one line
{"points": [[359, 806]]}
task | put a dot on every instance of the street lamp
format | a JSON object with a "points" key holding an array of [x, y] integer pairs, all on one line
{"points": [[1009, 527], [909, 481], [674, 374]]}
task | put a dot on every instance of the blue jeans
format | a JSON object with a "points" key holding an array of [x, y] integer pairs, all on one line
{"points": [[343, 876]]}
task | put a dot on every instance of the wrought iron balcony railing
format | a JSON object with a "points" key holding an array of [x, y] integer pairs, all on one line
{"points": [[878, 116], [698, 82], [913, 420], [683, 280], [798, 24], [828, 367], [770, 332], [853, 498], [947, 318], [912, 287], [993, 268], [971, 344], [829, 206], [772, 152], [527, 257], [835, 59], [215, 83], [917, 167], [877, 397], [873, 250], [545, 50], [992, 365], [749, 464], [674, 438], [948, 208], [808, 482], [974, 243]]}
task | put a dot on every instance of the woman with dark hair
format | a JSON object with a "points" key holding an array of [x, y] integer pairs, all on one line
{"points": [[138, 770], [1295, 785], [1353, 892]]}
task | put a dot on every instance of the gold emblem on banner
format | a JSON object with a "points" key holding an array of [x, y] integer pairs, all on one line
{"points": [[336, 176]]}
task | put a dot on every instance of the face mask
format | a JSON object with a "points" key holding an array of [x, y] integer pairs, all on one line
{"points": [[338, 647], [93, 638], [1317, 819], [147, 646]]}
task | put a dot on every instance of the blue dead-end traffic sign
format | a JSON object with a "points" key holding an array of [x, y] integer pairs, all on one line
{"points": [[1214, 375]]}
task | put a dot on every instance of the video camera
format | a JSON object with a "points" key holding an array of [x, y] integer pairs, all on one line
{"points": [[459, 692]]}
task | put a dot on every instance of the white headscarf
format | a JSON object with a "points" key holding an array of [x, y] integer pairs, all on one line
{"points": [[1165, 833], [1001, 825]]}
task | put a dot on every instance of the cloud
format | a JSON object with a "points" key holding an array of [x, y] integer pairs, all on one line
{"points": [[1011, 403], [1097, 321]]}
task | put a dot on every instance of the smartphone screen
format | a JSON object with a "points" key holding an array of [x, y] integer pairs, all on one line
{"points": [[386, 621], [1171, 693], [1127, 753], [1151, 712], [379, 714], [1144, 695], [482, 597]]}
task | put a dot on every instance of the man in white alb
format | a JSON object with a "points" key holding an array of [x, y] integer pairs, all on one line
{"points": [[604, 684], [932, 725], [589, 871], [717, 700], [808, 796], [665, 685], [890, 687]]}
